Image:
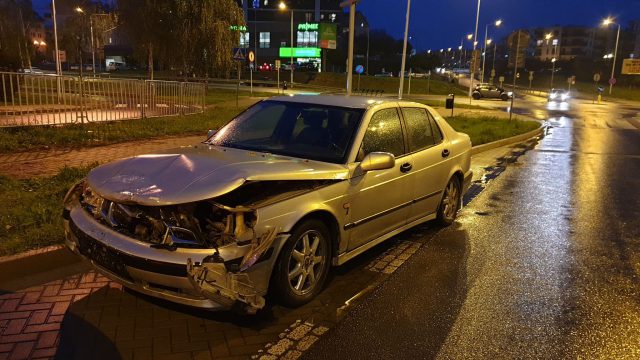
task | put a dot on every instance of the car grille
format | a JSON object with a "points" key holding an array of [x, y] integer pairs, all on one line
{"points": [[102, 255]]}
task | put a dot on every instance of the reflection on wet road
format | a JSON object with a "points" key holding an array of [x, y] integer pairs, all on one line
{"points": [[544, 263]]}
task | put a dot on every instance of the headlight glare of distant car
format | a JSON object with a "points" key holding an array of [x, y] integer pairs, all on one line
{"points": [[510, 93], [553, 95], [564, 97]]}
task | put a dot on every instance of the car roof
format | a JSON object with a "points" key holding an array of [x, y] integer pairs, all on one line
{"points": [[355, 102]]}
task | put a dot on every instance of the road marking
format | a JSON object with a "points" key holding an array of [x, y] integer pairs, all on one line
{"points": [[293, 341], [389, 261]]}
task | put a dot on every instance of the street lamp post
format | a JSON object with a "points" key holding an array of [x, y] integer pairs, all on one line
{"points": [[367, 55], [606, 22], [404, 49], [55, 36], [473, 54], [548, 37], [283, 6], [553, 69], [493, 65], [484, 45]]}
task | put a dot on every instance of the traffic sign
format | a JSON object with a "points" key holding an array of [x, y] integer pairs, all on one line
{"points": [[252, 57], [359, 69], [239, 53], [596, 77], [612, 81], [278, 64], [501, 79], [530, 75], [493, 73]]}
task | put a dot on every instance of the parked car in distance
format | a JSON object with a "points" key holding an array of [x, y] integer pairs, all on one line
{"points": [[560, 95], [271, 201], [384, 74], [490, 91]]}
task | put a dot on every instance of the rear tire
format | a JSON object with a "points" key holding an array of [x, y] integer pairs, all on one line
{"points": [[476, 96], [450, 203], [303, 264], [504, 97]]}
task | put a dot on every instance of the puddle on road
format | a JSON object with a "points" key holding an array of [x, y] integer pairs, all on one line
{"points": [[492, 172]]}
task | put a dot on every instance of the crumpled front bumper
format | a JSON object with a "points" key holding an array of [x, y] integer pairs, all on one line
{"points": [[183, 276]]}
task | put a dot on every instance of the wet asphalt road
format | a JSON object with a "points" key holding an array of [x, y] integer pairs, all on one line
{"points": [[544, 263]]}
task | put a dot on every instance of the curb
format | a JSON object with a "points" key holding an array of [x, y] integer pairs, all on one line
{"points": [[41, 261], [16, 269], [508, 141]]}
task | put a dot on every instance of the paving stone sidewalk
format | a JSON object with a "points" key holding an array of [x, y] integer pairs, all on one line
{"points": [[49, 162]]}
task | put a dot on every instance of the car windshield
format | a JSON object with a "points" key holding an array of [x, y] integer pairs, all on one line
{"points": [[310, 131]]}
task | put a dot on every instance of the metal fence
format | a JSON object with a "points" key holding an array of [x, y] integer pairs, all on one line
{"points": [[43, 99]]}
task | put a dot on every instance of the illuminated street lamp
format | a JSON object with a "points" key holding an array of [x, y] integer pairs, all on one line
{"points": [[283, 7], [553, 70], [606, 22], [496, 23]]}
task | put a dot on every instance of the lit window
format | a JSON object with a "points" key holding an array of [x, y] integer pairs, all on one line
{"points": [[244, 39], [307, 39], [539, 42], [265, 39], [333, 17]]}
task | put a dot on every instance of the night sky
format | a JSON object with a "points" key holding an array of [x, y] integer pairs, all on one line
{"points": [[436, 24]]}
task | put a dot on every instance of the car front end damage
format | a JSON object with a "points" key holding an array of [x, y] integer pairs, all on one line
{"points": [[202, 254]]}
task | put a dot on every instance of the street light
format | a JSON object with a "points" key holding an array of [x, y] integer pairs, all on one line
{"points": [[553, 70], [496, 23], [283, 7], [367, 59], [606, 23], [473, 54], [404, 49]]}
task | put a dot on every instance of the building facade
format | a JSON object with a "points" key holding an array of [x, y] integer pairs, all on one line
{"points": [[269, 30], [569, 42]]}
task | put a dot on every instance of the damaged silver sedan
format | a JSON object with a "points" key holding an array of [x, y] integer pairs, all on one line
{"points": [[287, 189]]}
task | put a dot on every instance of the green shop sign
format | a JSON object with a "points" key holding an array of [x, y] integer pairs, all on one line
{"points": [[238, 28], [305, 52], [307, 26]]}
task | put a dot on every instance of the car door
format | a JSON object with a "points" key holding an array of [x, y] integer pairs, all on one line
{"points": [[430, 156], [381, 198]]}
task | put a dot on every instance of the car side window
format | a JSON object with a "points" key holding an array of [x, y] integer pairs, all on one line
{"points": [[418, 128], [384, 134], [437, 132]]}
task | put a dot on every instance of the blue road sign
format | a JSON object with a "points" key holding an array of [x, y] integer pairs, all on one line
{"points": [[359, 69], [239, 53]]}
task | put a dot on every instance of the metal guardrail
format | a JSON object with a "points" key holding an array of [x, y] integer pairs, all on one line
{"points": [[42, 99], [534, 92]]}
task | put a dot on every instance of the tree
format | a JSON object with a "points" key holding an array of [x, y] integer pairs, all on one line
{"points": [[16, 50], [191, 35]]}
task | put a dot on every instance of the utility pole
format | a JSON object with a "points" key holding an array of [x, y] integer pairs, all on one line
{"points": [[473, 54], [55, 36], [404, 49], [352, 20], [515, 74]]}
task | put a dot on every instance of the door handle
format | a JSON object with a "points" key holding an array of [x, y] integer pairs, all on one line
{"points": [[445, 153], [406, 167]]}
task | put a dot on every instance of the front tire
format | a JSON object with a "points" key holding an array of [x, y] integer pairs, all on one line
{"points": [[450, 203], [476, 96], [303, 264], [504, 97]]}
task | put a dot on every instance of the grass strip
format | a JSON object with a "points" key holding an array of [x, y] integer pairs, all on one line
{"points": [[30, 215], [485, 129]]}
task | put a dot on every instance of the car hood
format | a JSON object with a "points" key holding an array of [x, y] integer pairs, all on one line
{"points": [[197, 173]]}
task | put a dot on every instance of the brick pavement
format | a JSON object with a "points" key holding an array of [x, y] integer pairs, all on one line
{"points": [[49, 162], [87, 316]]}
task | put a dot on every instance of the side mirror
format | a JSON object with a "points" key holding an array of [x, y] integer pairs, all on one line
{"points": [[377, 161], [211, 132]]}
